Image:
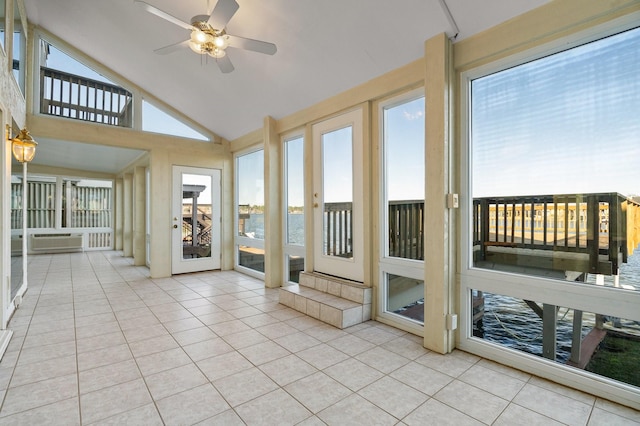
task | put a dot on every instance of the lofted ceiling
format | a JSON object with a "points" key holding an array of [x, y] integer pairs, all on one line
{"points": [[324, 48]]}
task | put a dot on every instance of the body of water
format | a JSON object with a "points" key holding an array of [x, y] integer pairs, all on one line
{"points": [[254, 227], [512, 323]]}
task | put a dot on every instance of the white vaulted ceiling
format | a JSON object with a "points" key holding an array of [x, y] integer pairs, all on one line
{"points": [[324, 48]]}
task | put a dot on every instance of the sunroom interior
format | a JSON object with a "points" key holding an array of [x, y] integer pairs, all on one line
{"points": [[468, 180]]}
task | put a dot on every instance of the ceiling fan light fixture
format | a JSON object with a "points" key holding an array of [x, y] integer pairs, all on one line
{"points": [[197, 47], [217, 53], [200, 37], [221, 42]]}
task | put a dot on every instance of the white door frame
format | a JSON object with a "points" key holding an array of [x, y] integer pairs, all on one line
{"points": [[179, 265]]}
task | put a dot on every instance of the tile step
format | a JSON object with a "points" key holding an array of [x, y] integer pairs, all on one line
{"points": [[328, 308]]}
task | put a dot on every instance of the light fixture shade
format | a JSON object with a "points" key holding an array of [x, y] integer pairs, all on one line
{"points": [[23, 147], [218, 53], [196, 47], [221, 42]]}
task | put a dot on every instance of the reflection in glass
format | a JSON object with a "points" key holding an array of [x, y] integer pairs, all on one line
{"points": [[250, 181], [555, 179], [405, 297], [196, 216], [19, 48], [337, 187], [2, 24], [251, 257], [294, 161], [296, 265], [602, 344], [16, 240], [404, 178]]}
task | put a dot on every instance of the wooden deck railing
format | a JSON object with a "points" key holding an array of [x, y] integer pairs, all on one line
{"points": [[72, 96], [602, 229], [338, 228], [406, 229]]}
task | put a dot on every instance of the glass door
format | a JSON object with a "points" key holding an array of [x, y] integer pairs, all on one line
{"points": [[337, 203], [196, 219]]}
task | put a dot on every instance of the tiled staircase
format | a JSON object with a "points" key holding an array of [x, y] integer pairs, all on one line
{"points": [[335, 301]]}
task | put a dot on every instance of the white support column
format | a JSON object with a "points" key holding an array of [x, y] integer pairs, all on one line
{"points": [[139, 217], [119, 213], [127, 217]]}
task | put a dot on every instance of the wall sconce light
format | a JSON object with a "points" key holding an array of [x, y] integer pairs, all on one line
{"points": [[23, 146], [24, 149]]}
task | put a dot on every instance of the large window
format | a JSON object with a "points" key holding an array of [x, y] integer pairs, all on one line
{"points": [[294, 201], [3, 22], [19, 48], [552, 255], [402, 209], [250, 211], [70, 89], [65, 206]]}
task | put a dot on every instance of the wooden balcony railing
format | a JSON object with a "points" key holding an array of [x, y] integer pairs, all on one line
{"points": [[406, 229], [72, 96], [338, 229], [599, 231]]}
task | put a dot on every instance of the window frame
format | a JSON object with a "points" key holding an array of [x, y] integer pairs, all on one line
{"points": [[288, 248], [621, 303], [410, 268], [237, 239]]}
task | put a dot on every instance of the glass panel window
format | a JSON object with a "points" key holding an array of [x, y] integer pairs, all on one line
{"points": [[72, 90], [250, 210], [2, 23], [405, 297], [196, 216], [19, 48], [41, 202], [86, 203], [294, 160], [157, 121], [601, 344], [337, 184], [250, 182], [295, 265], [251, 257], [294, 202], [404, 178], [555, 177]]}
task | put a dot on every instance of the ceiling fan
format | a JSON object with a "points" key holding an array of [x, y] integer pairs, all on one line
{"points": [[209, 35]]}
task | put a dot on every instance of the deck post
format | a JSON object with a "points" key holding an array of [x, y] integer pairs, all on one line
{"points": [[549, 331], [576, 337]]}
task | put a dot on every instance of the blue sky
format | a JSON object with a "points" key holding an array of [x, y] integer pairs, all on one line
{"points": [[565, 124]]}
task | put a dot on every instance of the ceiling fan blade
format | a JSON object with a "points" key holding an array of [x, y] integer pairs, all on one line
{"points": [[222, 13], [164, 15], [254, 45], [225, 64], [171, 48]]}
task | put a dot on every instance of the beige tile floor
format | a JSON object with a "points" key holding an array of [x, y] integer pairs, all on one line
{"points": [[98, 342]]}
